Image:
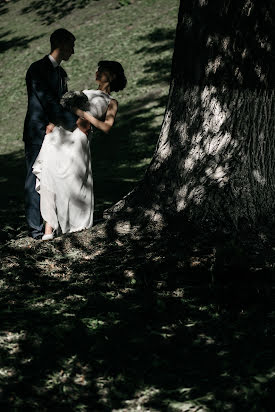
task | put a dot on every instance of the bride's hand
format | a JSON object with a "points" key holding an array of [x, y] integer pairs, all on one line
{"points": [[78, 112], [50, 128], [83, 125]]}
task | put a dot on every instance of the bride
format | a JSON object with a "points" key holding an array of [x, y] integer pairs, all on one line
{"points": [[63, 167]]}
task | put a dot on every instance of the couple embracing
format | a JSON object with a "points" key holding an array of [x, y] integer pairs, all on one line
{"points": [[59, 185]]}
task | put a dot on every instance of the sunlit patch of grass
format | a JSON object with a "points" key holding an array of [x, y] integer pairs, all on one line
{"points": [[71, 375], [10, 341], [6, 373], [93, 324]]}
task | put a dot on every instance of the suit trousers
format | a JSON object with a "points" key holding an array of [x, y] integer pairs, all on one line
{"points": [[32, 198]]}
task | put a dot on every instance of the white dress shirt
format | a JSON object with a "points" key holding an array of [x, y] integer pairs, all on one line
{"points": [[54, 62]]}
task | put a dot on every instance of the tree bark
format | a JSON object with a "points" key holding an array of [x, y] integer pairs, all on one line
{"points": [[215, 157]]}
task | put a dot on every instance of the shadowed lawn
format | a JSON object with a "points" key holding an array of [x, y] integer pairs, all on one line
{"points": [[110, 320]]}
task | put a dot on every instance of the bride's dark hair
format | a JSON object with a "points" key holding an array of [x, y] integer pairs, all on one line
{"points": [[119, 80]]}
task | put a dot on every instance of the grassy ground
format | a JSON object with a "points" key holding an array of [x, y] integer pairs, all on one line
{"points": [[115, 319]]}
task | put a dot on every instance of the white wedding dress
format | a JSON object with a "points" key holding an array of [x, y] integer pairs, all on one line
{"points": [[64, 174]]}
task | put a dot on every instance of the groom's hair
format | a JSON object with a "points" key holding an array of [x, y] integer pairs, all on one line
{"points": [[59, 37]]}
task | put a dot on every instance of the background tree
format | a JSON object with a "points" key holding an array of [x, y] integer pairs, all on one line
{"points": [[215, 158]]}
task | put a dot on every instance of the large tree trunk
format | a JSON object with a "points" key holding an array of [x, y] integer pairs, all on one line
{"points": [[215, 158]]}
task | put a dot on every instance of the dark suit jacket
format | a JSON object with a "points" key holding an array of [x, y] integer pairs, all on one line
{"points": [[44, 91]]}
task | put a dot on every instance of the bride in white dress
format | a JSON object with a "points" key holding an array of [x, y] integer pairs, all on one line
{"points": [[63, 166]]}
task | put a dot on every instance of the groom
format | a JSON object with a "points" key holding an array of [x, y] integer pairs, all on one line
{"points": [[46, 83]]}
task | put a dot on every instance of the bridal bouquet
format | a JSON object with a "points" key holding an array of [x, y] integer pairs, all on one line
{"points": [[75, 99]]}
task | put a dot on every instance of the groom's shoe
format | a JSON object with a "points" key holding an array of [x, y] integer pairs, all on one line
{"points": [[36, 236]]}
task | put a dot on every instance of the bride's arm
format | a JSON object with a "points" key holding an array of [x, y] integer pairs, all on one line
{"points": [[109, 118]]}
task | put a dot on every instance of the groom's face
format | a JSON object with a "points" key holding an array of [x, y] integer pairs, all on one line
{"points": [[66, 50]]}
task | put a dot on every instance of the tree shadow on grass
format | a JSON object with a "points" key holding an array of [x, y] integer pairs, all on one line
{"points": [[15, 42], [4, 6], [51, 11], [3, 9], [12, 172], [94, 322], [158, 69]]}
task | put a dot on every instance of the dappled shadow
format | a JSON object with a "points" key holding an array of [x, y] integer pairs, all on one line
{"points": [[4, 6], [51, 11], [235, 51], [3, 9], [158, 69], [15, 42], [12, 172], [112, 322]]}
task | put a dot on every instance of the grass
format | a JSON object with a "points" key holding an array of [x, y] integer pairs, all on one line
{"points": [[115, 319]]}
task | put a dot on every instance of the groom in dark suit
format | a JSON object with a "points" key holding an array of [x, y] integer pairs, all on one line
{"points": [[46, 83]]}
